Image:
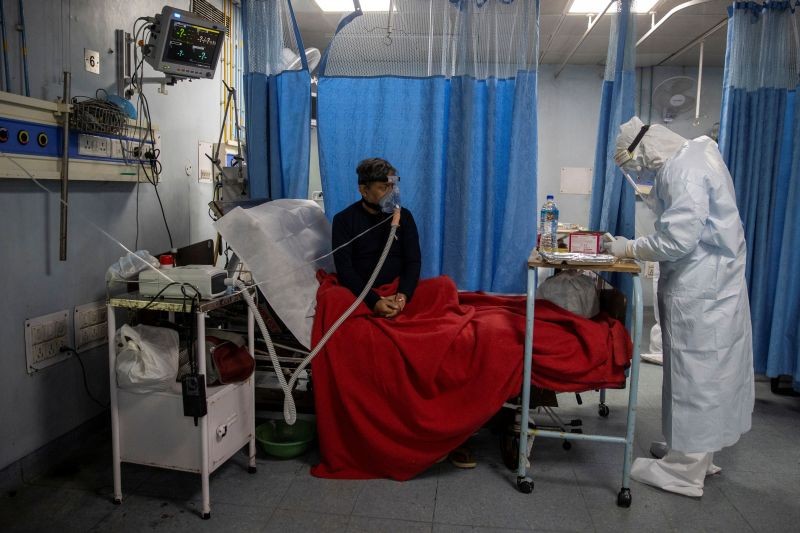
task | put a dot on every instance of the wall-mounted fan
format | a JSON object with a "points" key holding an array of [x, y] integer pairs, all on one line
{"points": [[292, 61], [674, 96]]}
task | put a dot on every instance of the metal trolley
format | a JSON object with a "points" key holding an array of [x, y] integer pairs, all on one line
{"points": [[525, 483], [151, 429]]}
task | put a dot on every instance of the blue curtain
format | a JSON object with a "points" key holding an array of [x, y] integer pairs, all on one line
{"points": [[277, 101], [760, 142], [461, 133], [612, 207]]}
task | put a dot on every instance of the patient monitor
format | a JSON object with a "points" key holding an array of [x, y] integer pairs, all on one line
{"points": [[184, 45]]}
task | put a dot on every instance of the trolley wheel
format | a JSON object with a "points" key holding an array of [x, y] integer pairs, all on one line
{"points": [[117, 501], [567, 445], [603, 410], [252, 469], [205, 516], [624, 497], [525, 485]]}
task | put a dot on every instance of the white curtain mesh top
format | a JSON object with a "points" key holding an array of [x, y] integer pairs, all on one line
{"points": [[271, 43], [422, 38]]}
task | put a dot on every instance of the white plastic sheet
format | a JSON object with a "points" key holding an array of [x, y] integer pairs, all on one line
{"points": [[278, 242], [147, 358]]}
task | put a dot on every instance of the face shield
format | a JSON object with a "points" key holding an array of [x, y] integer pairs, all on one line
{"points": [[641, 178], [625, 158]]}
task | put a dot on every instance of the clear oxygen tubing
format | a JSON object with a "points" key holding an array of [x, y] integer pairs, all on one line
{"points": [[289, 409]]}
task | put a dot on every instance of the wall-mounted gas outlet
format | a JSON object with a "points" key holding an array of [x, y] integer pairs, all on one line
{"points": [[91, 325], [44, 338]]}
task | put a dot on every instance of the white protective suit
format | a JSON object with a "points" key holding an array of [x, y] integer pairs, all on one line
{"points": [[708, 387]]}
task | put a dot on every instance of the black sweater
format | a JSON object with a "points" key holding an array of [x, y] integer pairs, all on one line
{"points": [[355, 262]]}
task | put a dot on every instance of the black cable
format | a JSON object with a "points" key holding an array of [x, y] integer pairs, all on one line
{"points": [[83, 372], [195, 298], [158, 294], [160, 204]]}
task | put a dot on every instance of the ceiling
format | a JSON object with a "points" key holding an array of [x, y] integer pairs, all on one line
{"points": [[317, 29]]}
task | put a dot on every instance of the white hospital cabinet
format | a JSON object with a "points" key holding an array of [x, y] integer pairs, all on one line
{"points": [[150, 429]]}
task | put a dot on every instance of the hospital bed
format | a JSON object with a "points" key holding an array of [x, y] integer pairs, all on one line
{"points": [[524, 482], [292, 241]]}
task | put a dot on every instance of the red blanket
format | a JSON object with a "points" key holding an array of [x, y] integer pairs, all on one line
{"points": [[395, 395]]}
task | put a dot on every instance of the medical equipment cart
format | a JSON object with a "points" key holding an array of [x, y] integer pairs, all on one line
{"points": [[150, 429], [525, 483]]}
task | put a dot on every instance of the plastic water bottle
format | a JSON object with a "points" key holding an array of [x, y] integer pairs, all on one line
{"points": [[548, 226]]}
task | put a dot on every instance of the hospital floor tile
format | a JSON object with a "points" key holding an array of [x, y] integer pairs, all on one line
{"points": [[335, 496], [449, 528], [383, 498], [599, 485], [43, 508], [767, 501], [487, 497], [145, 513], [293, 520], [359, 524]]}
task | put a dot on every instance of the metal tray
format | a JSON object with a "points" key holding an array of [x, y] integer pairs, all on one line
{"points": [[559, 258]]}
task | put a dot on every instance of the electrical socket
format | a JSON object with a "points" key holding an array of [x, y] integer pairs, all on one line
{"points": [[44, 338], [91, 325], [93, 145]]}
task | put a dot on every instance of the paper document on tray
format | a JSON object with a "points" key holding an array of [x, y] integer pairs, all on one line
{"points": [[642, 188]]}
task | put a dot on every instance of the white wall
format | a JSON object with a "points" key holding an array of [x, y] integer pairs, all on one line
{"points": [[36, 409]]}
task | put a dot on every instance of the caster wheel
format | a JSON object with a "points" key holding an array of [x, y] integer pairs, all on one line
{"points": [[525, 485], [117, 501], [252, 469], [206, 516], [603, 410], [567, 445], [624, 497]]}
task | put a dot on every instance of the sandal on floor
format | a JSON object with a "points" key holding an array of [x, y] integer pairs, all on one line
{"points": [[463, 458]]}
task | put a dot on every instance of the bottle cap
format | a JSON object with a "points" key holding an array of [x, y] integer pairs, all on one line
{"points": [[549, 196], [166, 260]]}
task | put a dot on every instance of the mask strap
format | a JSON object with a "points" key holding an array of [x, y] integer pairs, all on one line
{"points": [[638, 138]]}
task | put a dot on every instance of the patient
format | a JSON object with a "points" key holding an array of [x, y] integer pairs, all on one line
{"points": [[378, 185]]}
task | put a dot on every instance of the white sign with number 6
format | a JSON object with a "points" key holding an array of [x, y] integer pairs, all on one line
{"points": [[91, 59]]}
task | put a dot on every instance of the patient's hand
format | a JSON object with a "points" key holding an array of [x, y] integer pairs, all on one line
{"points": [[400, 300], [386, 307]]}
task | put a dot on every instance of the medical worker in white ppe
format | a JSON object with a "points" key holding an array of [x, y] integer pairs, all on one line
{"points": [[708, 390]]}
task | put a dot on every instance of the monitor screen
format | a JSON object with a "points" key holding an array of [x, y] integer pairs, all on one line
{"points": [[191, 44]]}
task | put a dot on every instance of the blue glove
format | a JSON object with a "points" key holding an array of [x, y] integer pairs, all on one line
{"points": [[619, 247]]}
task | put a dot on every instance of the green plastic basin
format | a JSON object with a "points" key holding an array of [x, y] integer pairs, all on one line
{"points": [[279, 439]]}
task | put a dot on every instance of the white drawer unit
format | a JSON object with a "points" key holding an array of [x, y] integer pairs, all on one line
{"points": [[154, 432]]}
